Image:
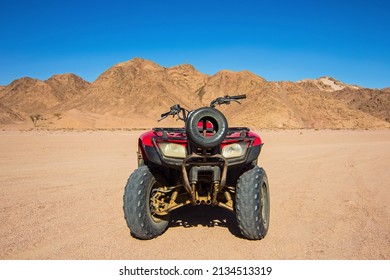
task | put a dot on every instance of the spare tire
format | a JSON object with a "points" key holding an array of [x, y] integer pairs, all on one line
{"points": [[214, 137]]}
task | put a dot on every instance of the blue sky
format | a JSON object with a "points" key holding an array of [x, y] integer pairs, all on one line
{"points": [[277, 40]]}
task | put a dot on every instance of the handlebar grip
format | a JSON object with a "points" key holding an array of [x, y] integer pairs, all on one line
{"points": [[241, 96], [165, 115]]}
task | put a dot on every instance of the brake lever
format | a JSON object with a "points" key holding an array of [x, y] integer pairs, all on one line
{"points": [[219, 101]]}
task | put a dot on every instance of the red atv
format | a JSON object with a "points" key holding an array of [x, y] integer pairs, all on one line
{"points": [[206, 162]]}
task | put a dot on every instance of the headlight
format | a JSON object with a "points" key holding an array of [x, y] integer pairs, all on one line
{"points": [[173, 150], [234, 150]]}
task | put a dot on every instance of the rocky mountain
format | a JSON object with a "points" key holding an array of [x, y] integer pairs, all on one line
{"points": [[328, 84], [67, 86], [133, 94], [372, 101], [32, 96], [8, 116], [386, 89], [129, 87]]}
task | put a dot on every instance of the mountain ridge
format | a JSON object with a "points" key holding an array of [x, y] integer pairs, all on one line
{"points": [[133, 94]]}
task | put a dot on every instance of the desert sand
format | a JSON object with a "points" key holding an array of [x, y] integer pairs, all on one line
{"points": [[61, 198]]}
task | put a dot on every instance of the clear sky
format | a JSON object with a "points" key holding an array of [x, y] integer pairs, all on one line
{"points": [[277, 40]]}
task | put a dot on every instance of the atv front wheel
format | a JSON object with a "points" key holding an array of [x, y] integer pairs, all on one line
{"points": [[138, 207], [252, 203]]}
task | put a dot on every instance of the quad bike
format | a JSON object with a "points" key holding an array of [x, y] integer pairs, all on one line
{"points": [[206, 162]]}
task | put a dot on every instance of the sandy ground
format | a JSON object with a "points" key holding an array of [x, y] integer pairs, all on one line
{"points": [[61, 198]]}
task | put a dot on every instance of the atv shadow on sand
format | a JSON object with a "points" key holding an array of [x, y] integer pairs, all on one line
{"points": [[205, 216]]}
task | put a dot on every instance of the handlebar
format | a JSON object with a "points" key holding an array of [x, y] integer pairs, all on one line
{"points": [[175, 110], [241, 96], [226, 99]]}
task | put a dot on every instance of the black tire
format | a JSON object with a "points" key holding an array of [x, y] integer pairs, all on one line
{"points": [[218, 121], [252, 203], [136, 204]]}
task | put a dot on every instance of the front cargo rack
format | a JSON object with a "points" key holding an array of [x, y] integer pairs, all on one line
{"points": [[165, 131], [170, 130]]}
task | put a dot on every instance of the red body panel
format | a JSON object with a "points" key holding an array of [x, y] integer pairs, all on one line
{"points": [[146, 138]]}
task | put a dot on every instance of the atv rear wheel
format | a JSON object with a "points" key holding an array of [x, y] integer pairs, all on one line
{"points": [[252, 203], [137, 205]]}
